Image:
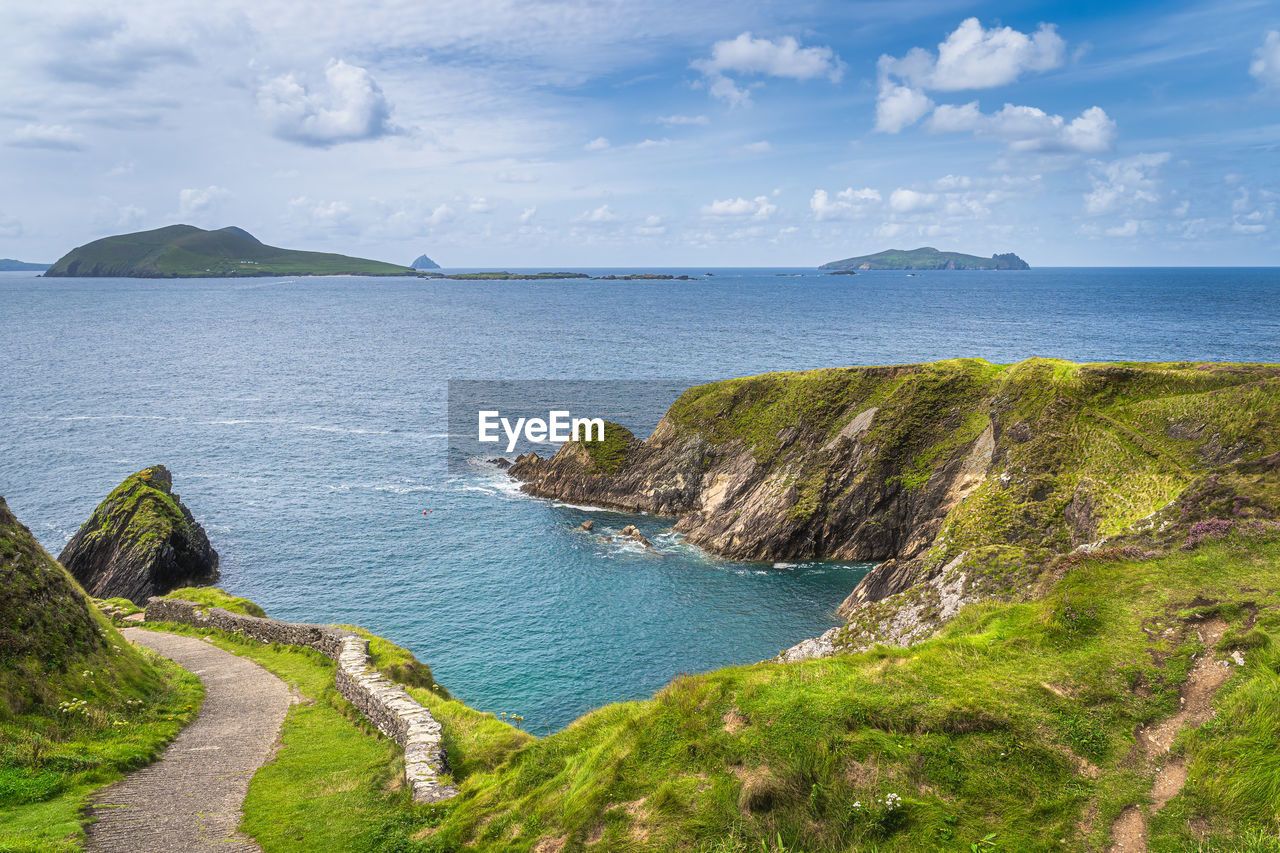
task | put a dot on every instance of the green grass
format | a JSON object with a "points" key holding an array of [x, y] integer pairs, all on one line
{"points": [[335, 783], [211, 596], [610, 453], [981, 731], [79, 706], [118, 717]]}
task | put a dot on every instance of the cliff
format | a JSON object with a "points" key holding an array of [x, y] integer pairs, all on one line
{"points": [[46, 623], [141, 541], [184, 251], [919, 466], [927, 258]]}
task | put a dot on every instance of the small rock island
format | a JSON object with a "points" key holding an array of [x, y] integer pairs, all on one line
{"points": [[141, 541]]}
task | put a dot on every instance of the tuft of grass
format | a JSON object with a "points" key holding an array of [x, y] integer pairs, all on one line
{"points": [[212, 596]]}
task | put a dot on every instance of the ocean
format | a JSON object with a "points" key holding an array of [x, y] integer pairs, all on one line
{"points": [[304, 421]]}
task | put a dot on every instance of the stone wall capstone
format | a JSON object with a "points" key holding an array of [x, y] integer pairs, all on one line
{"points": [[392, 710]]}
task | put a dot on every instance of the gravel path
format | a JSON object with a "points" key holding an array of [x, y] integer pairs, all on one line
{"points": [[190, 799]]}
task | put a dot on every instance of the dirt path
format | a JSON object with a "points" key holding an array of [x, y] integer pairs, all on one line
{"points": [[1129, 832], [190, 799]]}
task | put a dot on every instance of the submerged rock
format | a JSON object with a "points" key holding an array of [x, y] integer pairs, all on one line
{"points": [[587, 525], [141, 541]]}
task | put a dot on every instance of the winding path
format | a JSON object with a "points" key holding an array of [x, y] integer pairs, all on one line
{"points": [[190, 799]]}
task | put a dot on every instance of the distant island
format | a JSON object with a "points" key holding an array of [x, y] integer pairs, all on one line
{"points": [[184, 251], [551, 276], [10, 265], [927, 258], [425, 263]]}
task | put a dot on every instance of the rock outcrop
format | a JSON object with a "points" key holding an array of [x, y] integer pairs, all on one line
{"points": [[959, 477], [141, 541]]}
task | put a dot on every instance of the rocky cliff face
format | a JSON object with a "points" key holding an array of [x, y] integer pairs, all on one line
{"points": [[982, 470], [141, 541]]}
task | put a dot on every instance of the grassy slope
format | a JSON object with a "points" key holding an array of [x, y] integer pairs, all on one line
{"points": [[184, 251], [1017, 721], [78, 704]]}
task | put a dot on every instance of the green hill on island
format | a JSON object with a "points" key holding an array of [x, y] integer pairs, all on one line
{"points": [[10, 265], [184, 251], [927, 258]]}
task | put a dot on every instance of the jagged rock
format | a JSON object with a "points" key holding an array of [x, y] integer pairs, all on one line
{"points": [[501, 462], [587, 525], [141, 541], [630, 532]]}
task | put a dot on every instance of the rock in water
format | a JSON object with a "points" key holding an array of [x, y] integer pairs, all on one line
{"points": [[140, 541], [425, 263]]}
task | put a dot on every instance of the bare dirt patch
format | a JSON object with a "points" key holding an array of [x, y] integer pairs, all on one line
{"points": [[1129, 832]]}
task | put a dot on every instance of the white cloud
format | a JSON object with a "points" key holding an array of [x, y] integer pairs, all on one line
{"points": [[1253, 211], [441, 214], [1124, 185], [1130, 228], [197, 203], [55, 137], [599, 216], [899, 106], [907, 201], [349, 107], [317, 216], [761, 147], [652, 226], [598, 144], [677, 121], [975, 58], [847, 203], [1029, 128], [972, 57], [653, 143], [9, 226], [758, 208], [1265, 67], [508, 176], [747, 55], [480, 205], [526, 215]]}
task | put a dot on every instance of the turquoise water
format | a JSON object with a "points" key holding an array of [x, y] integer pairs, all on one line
{"points": [[304, 422]]}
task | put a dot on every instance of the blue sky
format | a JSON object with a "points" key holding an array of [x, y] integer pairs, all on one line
{"points": [[501, 133]]}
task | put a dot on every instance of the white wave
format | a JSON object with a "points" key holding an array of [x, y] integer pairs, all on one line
{"points": [[114, 418], [343, 430], [784, 565]]}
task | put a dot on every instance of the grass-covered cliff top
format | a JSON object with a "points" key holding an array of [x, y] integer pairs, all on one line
{"points": [[142, 512], [1081, 451], [78, 704], [927, 258], [184, 251]]}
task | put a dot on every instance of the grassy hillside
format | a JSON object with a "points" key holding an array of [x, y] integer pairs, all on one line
{"points": [[1013, 730], [78, 704], [184, 251], [927, 258]]}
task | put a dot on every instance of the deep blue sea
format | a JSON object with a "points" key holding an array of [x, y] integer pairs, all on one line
{"points": [[304, 422]]}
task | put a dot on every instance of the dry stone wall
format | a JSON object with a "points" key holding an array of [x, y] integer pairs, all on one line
{"points": [[395, 713]]}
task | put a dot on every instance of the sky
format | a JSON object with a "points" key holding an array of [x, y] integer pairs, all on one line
{"points": [[534, 133]]}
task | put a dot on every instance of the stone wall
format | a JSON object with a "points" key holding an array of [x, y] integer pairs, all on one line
{"points": [[395, 713]]}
